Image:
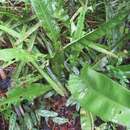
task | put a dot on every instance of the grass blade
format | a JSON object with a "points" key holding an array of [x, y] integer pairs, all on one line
{"points": [[9, 31], [45, 16], [15, 95], [102, 30], [27, 34]]}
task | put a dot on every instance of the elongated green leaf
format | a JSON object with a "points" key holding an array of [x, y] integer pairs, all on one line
{"points": [[80, 24], [27, 34], [57, 86], [10, 31], [101, 95], [17, 94], [125, 69], [86, 43], [103, 29], [78, 33], [17, 54], [45, 16], [98, 48]]}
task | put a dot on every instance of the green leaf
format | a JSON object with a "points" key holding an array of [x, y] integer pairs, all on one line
{"points": [[78, 33], [17, 54], [45, 16], [80, 24], [57, 86], [98, 48], [10, 31], [125, 69], [102, 96], [103, 29], [91, 37], [22, 55], [17, 94], [28, 33]]}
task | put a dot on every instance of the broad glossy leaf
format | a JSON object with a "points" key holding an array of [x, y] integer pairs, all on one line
{"points": [[17, 94], [45, 16], [101, 95]]}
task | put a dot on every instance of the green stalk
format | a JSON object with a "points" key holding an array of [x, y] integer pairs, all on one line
{"points": [[56, 86]]}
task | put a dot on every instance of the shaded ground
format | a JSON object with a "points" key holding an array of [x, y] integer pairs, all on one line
{"points": [[57, 104]]}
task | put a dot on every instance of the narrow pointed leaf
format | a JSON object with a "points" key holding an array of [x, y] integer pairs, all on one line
{"points": [[80, 24], [17, 94], [10, 31], [125, 69], [28, 33], [103, 29], [45, 16], [17, 54], [98, 48]]}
